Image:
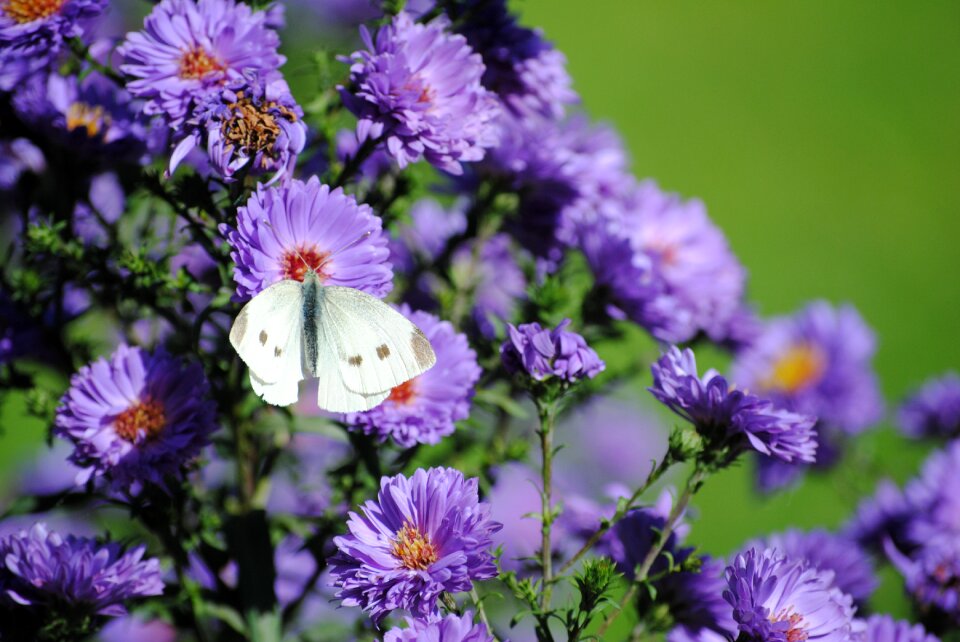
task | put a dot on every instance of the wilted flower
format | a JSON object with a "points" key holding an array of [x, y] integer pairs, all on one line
{"points": [[541, 353], [883, 628], [418, 89], [423, 536], [452, 628], [283, 226], [934, 409]]}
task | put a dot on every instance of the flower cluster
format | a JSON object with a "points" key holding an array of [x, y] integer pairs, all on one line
{"points": [[541, 353]]}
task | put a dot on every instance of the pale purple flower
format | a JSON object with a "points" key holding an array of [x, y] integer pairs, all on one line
{"points": [[514, 501], [133, 628], [18, 157], [883, 628], [492, 274], [932, 578], [300, 485], [884, 515], [452, 628], [424, 237], [32, 33], [934, 409], [542, 353]]}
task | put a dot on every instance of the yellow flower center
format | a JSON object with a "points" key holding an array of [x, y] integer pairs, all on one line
{"points": [[253, 127], [147, 416], [799, 367], [414, 549], [91, 118], [24, 11], [196, 63]]}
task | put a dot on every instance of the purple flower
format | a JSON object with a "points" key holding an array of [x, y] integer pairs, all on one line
{"points": [[883, 628], [188, 49], [17, 157], [452, 628], [885, 515], [775, 599], [423, 536], [377, 163], [934, 497], [426, 408], [300, 487], [852, 568], [730, 418], [35, 31], [418, 89], [281, 227], [493, 276], [934, 409], [136, 418], [253, 125], [696, 601], [425, 236], [46, 571], [133, 627], [932, 578], [542, 353]]}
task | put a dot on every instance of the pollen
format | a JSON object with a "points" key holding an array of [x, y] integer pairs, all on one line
{"points": [[254, 127], [24, 11], [91, 119], [404, 394], [796, 632], [414, 549], [294, 264], [147, 416], [196, 63], [800, 367]]}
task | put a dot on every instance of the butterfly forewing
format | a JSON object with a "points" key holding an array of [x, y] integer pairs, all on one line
{"points": [[268, 335], [332, 394]]}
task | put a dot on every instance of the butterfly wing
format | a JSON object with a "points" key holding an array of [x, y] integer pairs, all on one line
{"points": [[373, 347], [332, 392]]}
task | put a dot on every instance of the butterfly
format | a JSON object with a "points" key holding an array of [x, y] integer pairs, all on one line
{"points": [[357, 346]]}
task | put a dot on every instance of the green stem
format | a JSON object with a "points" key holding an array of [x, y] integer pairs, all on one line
{"points": [[548, 416], [481, 612], [354, 162]]}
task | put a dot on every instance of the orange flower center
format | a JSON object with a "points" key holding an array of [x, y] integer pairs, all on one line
{"points": [[404, 394], [795, 633], [414, 549], [91, 118], [24, 11], [147, 416], [295, 264], [799, 367], [196, 63]]}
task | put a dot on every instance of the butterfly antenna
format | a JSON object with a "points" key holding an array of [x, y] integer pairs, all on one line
{"points": [[352, 243], [292, 246]]}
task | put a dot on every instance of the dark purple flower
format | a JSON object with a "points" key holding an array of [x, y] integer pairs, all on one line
{"points": [[542, 353], [425, 236], [426, 408], [188, 49], [696, 600], [934, 497], [934, 409], [17, 157], [629, 540], [43, 570], [300, 486], [885, 515], [136, 418], [883, 628], [493, 276], [775, 599], [452, 628], [377, 163], [932, 577], [252, 126], [35, 30], [418, 89], [283, 226], [727, 417], [423, 536]]}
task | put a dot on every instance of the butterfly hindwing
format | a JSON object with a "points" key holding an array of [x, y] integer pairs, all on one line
{"points": [[332, 393], [268, 336]]}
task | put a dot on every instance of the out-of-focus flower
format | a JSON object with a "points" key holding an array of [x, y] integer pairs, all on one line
{"points": [[424, 237], [134, 628], [491, 273], [417, 87], [934, 409], [136, 418], [775, 599], [423, 536], [17, 157], [252, 125], [452, 628], [934, 498], [885, 515], [426, 408], [932, 577], [188, 49], [883, 628], [543, 353], [300, 486], [283, 226], [727, 417], [376, 164]]}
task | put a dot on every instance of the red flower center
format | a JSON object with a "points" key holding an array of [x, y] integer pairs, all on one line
{"points": [[414, 549], [23, 11], [404, 394], [147, 415], [295, 263], [196, 63]]}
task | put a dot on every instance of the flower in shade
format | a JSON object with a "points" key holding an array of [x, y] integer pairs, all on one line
{"points": [[284, 229], [852, 568], [44, 570], [452, 628], [17, 157], [776, 599], [423, 239], [132, 627], [417, 88], [376, 164], [932, 578], [34, 31], [883, 628], [493, 276], [188, 49], [253, 125], [136, 417], [543, 353], [426, 408], [300, 486], [885, 515], [934, 409], [727, 417], [696, 602], [423, 536]]}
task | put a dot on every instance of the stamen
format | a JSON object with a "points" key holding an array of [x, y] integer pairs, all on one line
{"points": [[414, 549], [295, 263], [147, 416], [92, 118], [799, 367], [197, 62], [404, 394], [23, 11]]}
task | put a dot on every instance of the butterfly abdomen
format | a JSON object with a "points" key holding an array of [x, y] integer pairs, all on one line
{"points": [[311, 290]]}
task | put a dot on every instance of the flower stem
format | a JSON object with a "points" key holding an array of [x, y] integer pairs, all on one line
{"points": [[352, 165], [481, 612], [547, 410]]}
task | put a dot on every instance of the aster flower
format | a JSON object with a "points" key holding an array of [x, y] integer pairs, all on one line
{"points": [[452, 628], [934, 409], [418, 89], [426, 408], [252, 125], [376, 164], [932, 578], [883, 628], [424, 237], [282, 226], [300, 486], [423, 536], [188, 49], [132, 627], [72, 575], [493, 276], [136, 417], [775, 599], [541, 353], [727, 417], [34, 32], [17, 157], [885, 515]]}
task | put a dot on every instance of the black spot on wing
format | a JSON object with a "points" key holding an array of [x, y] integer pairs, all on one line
{"points": [[355, 360], [383, 352], [263, 337], [277, 351]]}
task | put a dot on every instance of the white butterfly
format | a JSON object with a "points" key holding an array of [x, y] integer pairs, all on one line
{"points": [[357, 346]]}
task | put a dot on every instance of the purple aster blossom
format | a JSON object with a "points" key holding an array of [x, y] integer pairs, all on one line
{"points": [[883, 628], [282, 226], [775, 599], [136, 418], [188, 49], [133, 627], [934, 497], [252, 126], [514, 499], [495, 279], [426, 408], [852, 567], [729, 418], [423, 536], [17, 157], [300, 486], [35, 32], [376, 164], [629, 540], [932, 578], [696, 602], [543, 353], [934, 409], [44, 570], [425, 236], [452, 628], [417, 88], [49, 472], [884, 516]]}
